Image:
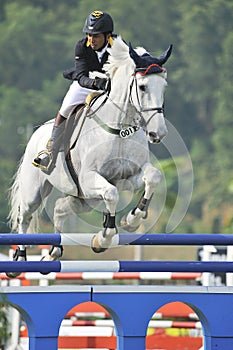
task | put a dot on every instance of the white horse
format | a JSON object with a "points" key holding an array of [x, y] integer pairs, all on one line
{"points": [[108, 149]]}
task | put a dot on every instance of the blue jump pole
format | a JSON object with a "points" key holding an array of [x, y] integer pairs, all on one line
{"points": [[115, 266], [30, 239], [121, 239]]}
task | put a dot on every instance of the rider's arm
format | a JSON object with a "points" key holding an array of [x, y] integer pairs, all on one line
{"points": [[85, 61], [82, 71]]}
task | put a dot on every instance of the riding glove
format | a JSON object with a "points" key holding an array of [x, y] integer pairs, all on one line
{"points": [[101, 84]]}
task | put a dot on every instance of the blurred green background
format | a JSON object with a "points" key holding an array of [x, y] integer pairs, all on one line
{"points": [[37, 39]]}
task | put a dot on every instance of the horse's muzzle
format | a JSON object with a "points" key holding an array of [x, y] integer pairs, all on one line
{"points": [[153, 137]]}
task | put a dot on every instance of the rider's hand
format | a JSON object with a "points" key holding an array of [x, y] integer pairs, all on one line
{"points": [[101, 84]]}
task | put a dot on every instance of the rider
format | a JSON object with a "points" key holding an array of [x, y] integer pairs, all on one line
{"points": [[90, 55]]}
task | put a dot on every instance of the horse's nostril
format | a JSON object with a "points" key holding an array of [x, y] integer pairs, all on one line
{"points": [[153, 135]]}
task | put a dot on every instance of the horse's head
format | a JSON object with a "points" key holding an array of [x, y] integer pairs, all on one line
{"points": [[147, 91], [138, 82]]}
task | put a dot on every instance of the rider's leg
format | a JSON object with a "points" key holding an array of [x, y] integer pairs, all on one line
{"points": [[53, 143], [56, 132]]}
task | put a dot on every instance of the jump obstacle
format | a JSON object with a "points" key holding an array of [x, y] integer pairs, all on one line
{"points": [[130, 307], [165, 276], [116, 266], [120, 239]]}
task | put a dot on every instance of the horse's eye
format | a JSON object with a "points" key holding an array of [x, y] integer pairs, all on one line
{"points": [[142, 88]]}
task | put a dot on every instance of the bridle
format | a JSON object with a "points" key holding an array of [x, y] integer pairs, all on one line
{"points": [[142, 110]]}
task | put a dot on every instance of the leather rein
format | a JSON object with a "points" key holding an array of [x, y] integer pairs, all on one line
{"points": [[140, 111]]}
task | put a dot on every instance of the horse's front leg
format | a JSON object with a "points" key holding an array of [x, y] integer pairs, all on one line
{"points": [[151, 177], [96, 186]]}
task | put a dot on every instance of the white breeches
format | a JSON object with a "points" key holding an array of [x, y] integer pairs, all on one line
{"points": [[75, 95]]}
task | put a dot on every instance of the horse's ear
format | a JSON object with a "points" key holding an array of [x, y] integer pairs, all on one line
{"points": [[131, 51], [165, 56], [146, 59], [137, 59]]}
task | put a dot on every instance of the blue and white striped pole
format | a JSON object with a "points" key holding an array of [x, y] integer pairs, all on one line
{"points": [[121, 239], [115, 266]]}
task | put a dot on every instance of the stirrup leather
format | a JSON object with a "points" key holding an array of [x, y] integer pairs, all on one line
{"points": [[41, 166]]}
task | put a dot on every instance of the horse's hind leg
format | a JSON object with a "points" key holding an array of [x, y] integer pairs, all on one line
{"points": [[61, 211], [131, 221], [63, 208], [24, 218], [26, 208], [67, 206]]}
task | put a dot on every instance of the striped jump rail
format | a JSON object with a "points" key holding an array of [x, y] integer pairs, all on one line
{"points": [[115, 266], [118, 240], [29, 276]]}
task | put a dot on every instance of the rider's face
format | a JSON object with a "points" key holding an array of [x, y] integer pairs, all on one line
{"points": [[97, 40]]}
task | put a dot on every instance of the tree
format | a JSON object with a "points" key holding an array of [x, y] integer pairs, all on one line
{"points": [[32, 45], [37, 39]]}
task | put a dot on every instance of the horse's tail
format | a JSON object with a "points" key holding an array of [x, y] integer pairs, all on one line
{"points": [[14, 199]]}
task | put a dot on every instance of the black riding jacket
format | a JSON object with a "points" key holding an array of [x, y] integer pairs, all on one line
{"points": [[86, 61]]}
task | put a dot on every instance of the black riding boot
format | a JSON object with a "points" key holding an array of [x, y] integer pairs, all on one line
{"points": [[46, 160]]}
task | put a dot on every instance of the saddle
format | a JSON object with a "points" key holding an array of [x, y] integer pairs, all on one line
{"points": [[73, 120]]}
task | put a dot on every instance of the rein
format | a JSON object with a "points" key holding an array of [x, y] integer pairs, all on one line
{"points": [[123, 133], [131, 129]]}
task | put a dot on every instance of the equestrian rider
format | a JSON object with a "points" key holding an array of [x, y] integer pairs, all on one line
{"points": [[90, 55]]}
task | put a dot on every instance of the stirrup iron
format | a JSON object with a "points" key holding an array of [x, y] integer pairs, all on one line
{"points": [[45, 168]]}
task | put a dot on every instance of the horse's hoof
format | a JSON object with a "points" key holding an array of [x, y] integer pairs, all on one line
{"points": [[126, 226], [98, 250], [19, 255], [44, 258], [96, 247], [13, 274], [55, 253]]}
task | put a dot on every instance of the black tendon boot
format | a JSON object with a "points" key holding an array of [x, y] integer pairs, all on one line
{"points": [[46, 159]]}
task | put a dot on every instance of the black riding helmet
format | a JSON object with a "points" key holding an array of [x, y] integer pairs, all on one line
{"points": [[98, 22]]}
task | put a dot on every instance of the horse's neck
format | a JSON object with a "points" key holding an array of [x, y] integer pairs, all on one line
{"points": [[120, 104], [117, 110]]}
